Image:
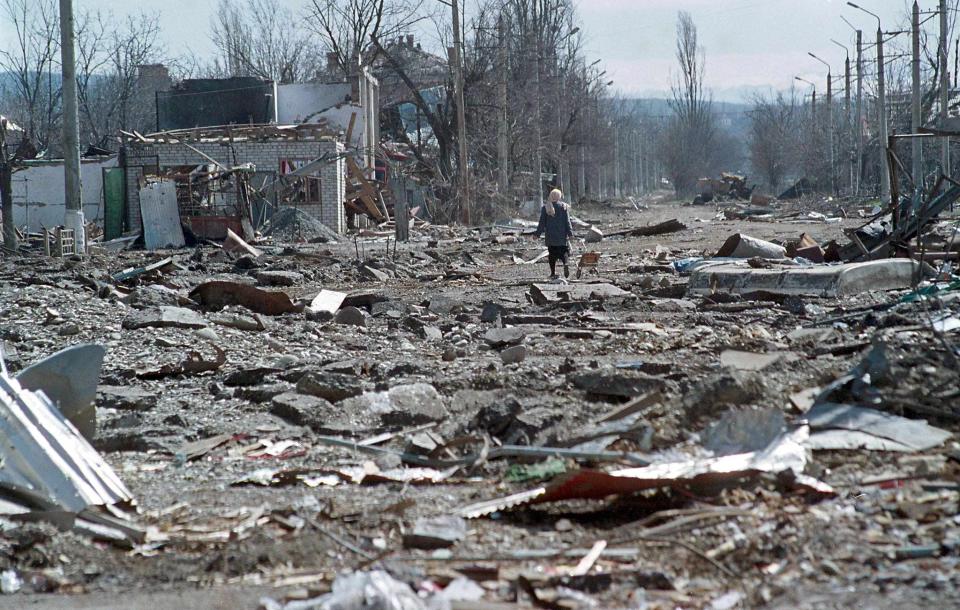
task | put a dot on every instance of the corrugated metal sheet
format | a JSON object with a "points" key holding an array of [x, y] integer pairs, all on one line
{"points": [[44, 457], [161, 216]]}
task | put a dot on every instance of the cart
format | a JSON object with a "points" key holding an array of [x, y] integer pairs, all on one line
{"points": [[588, 260]]}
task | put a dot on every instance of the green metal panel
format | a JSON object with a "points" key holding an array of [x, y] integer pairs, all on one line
{"points": [[113, 200]]}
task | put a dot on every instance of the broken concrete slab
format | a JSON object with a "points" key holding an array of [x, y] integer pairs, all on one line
{"points": [[364, 298], [328, 301], [125, 398], [250, 375], [616, 383], [404, 405], [749, 361], [545, 294], [819, 280], [351, 316], [500, 337], [240, 322], [444, 305], [279, 278], [492, 311], [436, 533], [164, 317], [301, 409], [374, 273], [329, 386], [151, 296], [263, 393]]}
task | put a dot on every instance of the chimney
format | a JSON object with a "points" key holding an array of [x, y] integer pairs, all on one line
{"points": [[332, 64], [410, 40]]}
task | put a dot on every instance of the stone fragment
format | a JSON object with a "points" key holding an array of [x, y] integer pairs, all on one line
{"points": [[432, 333], [436, 533], [373, 273], [514, 355], [151, 296], [616, 383], [300, 409], [500, 337], [164, 317], [491, 311], [329, 386], [279, 278], [351, 316], [386, 307], [250, 376], [241, 322], [263, 393], [363, 298], [404, 405], [68, 330], [445, 305], [207, 334], [593, 236]]}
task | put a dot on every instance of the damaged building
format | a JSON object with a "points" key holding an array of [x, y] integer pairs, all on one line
{"points": [[221, 141], [268, 151]]}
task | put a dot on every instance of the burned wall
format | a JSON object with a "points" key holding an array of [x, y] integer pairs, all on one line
{"points": [[209, 102]]}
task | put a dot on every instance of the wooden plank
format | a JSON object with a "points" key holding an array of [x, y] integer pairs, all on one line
{"points": [[349, 136]]}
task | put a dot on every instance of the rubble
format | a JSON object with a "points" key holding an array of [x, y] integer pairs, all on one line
{"points": [[660, 426]]}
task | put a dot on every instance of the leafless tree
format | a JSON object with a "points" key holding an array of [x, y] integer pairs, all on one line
{"points": [[262, 38], [33, 100], [108, 57], [346, 27], [774, 129], [688, 146]]}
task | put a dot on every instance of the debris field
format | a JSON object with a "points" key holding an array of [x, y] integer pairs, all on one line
{"points": [[437, 424]]}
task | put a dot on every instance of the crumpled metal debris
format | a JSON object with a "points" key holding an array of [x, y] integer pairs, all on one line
{"points": [[44, 458], [193, 364], [786, 454], [69, 379]]}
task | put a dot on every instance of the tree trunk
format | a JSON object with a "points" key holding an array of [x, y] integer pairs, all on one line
{"points": [[6, 207]]}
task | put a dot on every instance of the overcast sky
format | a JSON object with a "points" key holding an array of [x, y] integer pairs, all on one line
{"points": [[749, 43]]}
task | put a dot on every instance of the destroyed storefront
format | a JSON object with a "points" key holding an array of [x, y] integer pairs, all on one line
{"points": [[219, 173]]}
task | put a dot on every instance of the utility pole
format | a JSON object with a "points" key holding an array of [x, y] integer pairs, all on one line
{"points": [[917, 150], [461, 114], [884, 140], [847, 116], [538, 170], [859, 111], [616, 163], [503, 150], [944, 88], [73, 215]]}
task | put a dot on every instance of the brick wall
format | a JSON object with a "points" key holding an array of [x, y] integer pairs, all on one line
{"points": [[145, 158]]}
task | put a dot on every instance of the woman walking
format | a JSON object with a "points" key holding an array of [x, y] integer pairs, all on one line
{"points": [[555, 222]]}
